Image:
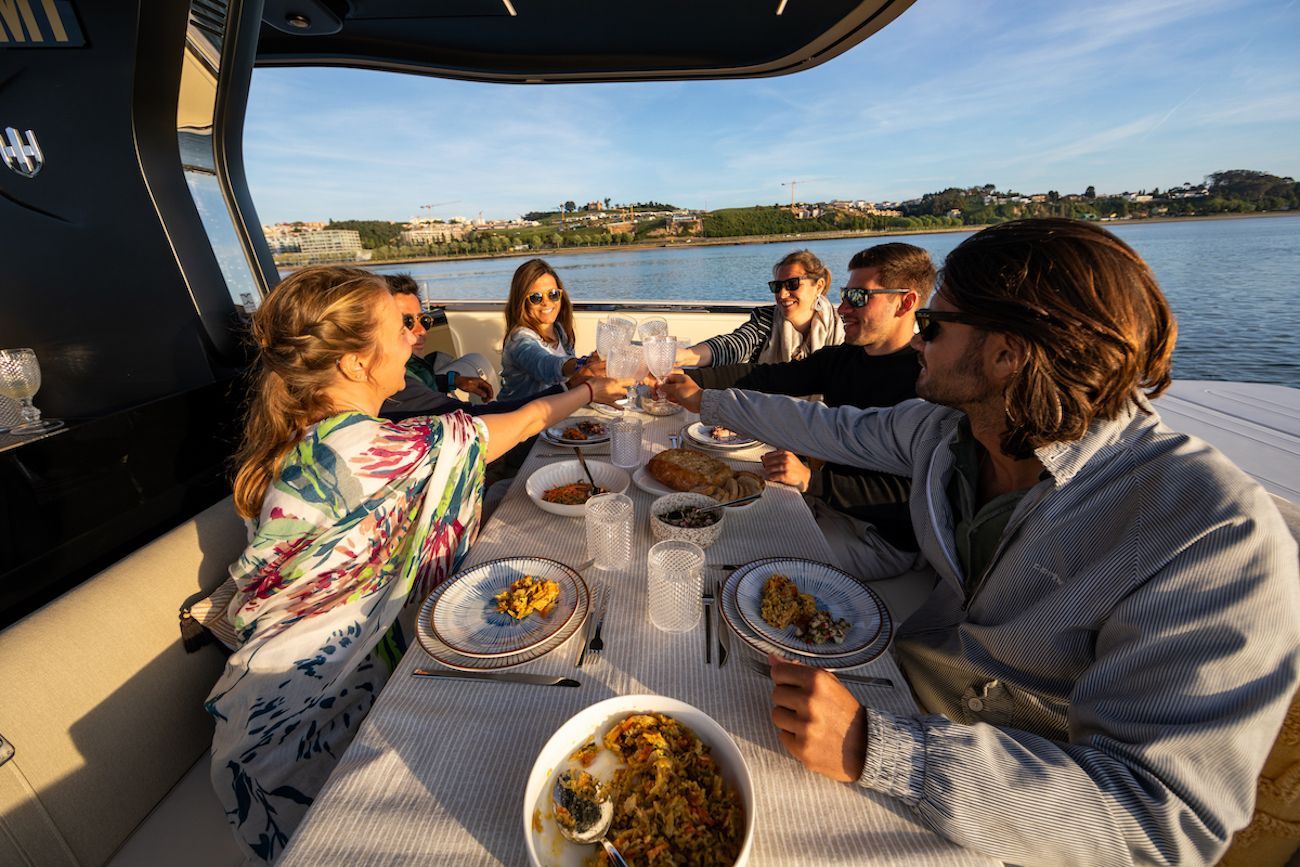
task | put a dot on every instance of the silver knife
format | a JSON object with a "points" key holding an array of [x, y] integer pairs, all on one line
{"points": [[720, 627], [506, 676], [708, 626]]}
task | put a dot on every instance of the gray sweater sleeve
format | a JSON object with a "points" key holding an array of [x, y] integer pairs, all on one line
{"points": [[878, 439]]}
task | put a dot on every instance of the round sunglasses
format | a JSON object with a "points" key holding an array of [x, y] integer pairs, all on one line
{"points": [[426, 321], [553, 295]]}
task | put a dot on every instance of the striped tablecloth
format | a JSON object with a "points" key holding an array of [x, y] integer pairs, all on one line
{"points": [[436, 774]]}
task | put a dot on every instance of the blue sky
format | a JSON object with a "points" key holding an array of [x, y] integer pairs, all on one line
{"points": [[1029, 96]]}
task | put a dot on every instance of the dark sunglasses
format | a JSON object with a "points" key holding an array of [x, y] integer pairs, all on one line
{"points": [[536, 297], [425, 320], [927, 321], [859, 297], [790, 284]]}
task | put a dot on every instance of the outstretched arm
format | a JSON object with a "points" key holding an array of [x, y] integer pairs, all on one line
{"points": [[508, 429]]}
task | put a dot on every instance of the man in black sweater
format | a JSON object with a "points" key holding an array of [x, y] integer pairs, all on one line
{"points": [[863, 514]]}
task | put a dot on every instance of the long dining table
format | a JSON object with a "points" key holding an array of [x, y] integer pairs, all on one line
{"points": [[436, 773]]}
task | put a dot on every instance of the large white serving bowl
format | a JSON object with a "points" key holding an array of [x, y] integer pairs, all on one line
{"points": [[548, 848], [702, 536], [608, 476]]}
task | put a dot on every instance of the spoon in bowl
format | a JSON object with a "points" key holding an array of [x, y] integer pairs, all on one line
{"points": [[589, 809], [684, 511], [595, 488]]}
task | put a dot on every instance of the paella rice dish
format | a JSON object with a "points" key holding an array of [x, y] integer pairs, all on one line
{"points": [[782, 605], [526, 595], [671, 805], [574, 494]]}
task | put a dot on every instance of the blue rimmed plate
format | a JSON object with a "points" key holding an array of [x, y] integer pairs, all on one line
{"points": [[593, 431], [835, 591], [703, 434], [463, 614], [736, 622]]}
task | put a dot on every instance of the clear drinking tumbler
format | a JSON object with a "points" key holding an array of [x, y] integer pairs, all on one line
{"points": [[676, 585], [625, 442], [609, 530]]}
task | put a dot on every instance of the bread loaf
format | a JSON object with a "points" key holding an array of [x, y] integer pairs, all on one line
{"points": [[684, 469]]}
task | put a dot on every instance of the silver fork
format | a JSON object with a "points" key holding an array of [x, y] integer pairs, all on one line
{"points": [[765, 670], [597, 643]]}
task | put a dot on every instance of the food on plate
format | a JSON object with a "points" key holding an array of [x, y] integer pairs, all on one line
{"points": [[725, 435], [671, 806], [586, 754], [586, 788], [574, 494], [526, 595], [584, 430], [689, 518], [686, 469], [782, 605]]}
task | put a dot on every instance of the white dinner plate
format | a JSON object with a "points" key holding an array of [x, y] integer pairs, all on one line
{"points": [[556, 433], [835, 591], [465, 616], [445, 655], [700, 433], [730, 609], [648, 483]]}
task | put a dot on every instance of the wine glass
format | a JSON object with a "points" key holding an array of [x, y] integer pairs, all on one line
{"points": [[624, 361], [655, 326], [20, 379], [624, 327], [660, 355], [606, 337]]}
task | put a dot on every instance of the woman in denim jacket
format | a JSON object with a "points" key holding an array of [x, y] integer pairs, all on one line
{"points": [[538, 352]]}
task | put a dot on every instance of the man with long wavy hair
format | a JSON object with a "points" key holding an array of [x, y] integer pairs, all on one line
{"points": [[1114, 635]]}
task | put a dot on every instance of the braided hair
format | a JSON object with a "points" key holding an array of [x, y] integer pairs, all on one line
{"points": [[307, 323]]}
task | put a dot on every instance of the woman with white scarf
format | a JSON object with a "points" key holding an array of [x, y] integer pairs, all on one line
{"points": [[800, 322]]}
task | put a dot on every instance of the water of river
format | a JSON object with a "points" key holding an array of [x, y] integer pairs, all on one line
{"points": [[1234, 284]]}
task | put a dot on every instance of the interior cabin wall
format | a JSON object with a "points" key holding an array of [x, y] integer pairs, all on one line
{"points": [[109, 275]]}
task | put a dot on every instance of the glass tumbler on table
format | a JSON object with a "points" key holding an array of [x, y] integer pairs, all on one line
{"points": [[676, 585], [20, 379], [625, 442], [609, 530]]}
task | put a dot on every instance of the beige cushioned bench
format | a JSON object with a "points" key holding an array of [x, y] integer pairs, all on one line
{"points": [[104, 710]]}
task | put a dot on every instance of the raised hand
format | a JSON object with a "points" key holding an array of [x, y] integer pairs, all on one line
{"points": [[682, 390]]}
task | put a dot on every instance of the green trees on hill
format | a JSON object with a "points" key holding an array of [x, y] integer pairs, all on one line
{"points": [[374, 233]]}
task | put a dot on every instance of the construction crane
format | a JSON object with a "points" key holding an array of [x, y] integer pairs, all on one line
{"points": [[792, 185], [430, 208]]}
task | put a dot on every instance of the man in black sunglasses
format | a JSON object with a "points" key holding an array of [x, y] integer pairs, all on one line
{"points": [[406, 292], [1114, 636], [862, 513]]}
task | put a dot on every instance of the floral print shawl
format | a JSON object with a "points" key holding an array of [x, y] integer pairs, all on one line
{"points": [[365, 518]]}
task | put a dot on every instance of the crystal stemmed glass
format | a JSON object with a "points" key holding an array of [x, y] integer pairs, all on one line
{"points": [[624, 359], [20, 379], [655, 326], [606, 337], [624, 327], [660, 355]]}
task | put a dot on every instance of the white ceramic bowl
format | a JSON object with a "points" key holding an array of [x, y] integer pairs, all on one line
{"points": [[702, 536], [548, 848], [608, 476]]}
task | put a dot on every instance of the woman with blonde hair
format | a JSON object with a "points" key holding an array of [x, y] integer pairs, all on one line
{"points": [[538, 352], [353, 520], [801, 321]]}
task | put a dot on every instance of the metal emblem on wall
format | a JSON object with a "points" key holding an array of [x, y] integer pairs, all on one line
{"points": [[22, 155], [39, 24]]}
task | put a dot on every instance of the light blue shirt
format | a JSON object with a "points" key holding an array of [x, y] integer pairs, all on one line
{"points": [[530, 365]]}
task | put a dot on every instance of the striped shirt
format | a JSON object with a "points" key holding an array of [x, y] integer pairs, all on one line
{"points": [[1110, 693], [743, 345]]}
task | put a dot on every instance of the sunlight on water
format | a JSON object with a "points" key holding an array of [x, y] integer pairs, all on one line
{"points": [[1234, 284]]}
